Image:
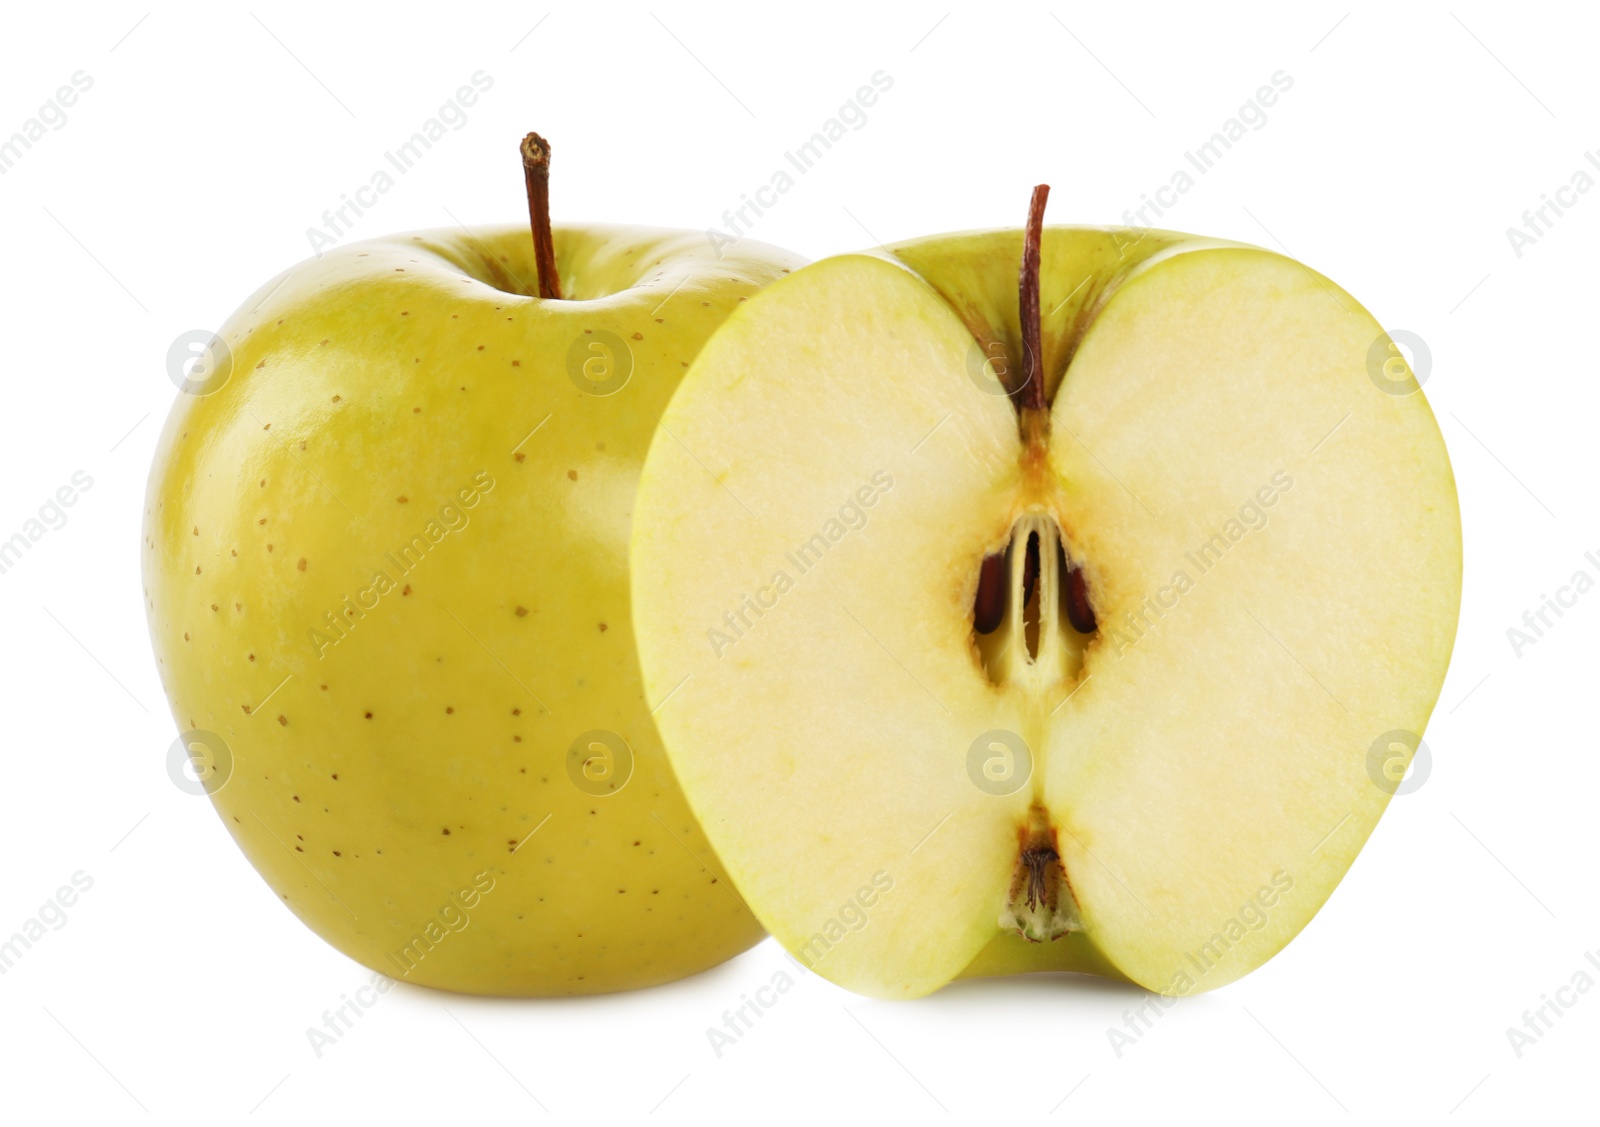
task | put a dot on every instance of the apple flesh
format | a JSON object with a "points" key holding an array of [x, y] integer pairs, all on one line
{"points": [[1163, 782], [386, 562]]}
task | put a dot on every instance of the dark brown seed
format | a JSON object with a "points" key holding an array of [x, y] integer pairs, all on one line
{"points": [[990, 605], [1079, 612]]}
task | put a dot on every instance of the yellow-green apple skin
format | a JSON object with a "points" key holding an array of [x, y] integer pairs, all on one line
{"points": [[1235, 460], [386, 562]]}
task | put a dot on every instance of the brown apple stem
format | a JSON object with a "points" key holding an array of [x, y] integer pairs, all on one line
{"points": [[1031, 393], [536, 171]]}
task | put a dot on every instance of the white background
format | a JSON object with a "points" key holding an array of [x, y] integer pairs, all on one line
{"points": [[212, 139]]}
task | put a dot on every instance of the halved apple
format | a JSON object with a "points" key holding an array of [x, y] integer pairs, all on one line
{"points": [[989, 645]]}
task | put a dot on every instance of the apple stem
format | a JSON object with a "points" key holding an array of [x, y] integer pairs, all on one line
{"points": [[1031, 392], [536, 171]]}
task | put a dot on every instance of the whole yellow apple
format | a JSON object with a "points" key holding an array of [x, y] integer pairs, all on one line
{"points": [[386, 573]]}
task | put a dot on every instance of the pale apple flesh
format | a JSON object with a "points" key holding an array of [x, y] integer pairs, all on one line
{"points": [[387, 563], [1270, 544]]}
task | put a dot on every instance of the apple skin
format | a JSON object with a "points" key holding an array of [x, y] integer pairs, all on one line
{"points": [[402, 409]]}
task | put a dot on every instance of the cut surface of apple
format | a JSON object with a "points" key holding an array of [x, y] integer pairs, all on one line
{"points": [[1221, 565]]}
